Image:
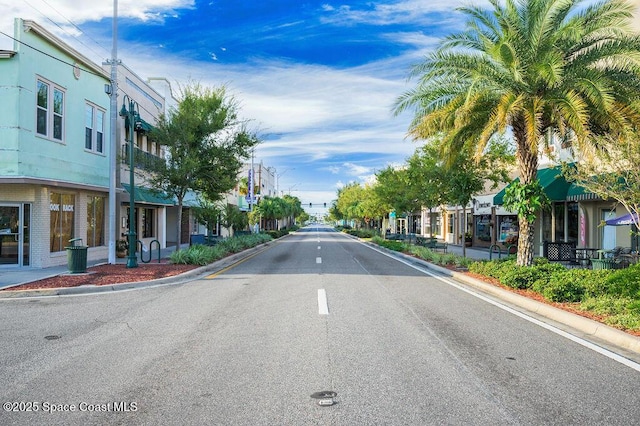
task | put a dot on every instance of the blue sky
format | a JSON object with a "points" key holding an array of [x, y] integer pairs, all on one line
{"points": [[317, 79]]}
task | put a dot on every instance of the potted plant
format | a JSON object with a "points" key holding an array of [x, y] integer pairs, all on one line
{"points": [[468, 239], [121, 248]]}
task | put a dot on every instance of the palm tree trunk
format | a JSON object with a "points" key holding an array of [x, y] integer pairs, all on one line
{"points": [[527, 156]]}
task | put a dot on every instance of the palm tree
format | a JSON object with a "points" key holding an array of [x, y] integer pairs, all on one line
{"points": [[531, 66]]}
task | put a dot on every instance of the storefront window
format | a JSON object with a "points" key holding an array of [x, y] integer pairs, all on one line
{"points": [[147, 223], [507, 228], [573, 220], [483, 227], [61, 220], [95, 221], [559, 211], [434, 226]]}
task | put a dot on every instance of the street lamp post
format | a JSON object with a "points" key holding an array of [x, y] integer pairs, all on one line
{"points": [[134, 124]]}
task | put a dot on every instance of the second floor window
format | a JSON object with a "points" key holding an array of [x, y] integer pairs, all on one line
{"points": [[50, 111], [94, 129]]}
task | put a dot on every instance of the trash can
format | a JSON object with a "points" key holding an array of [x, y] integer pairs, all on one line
{"points": [[602, 264], [76, 256]]}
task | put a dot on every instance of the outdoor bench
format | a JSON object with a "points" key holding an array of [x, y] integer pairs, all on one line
{"points": [[431, 243], [399, 237]]}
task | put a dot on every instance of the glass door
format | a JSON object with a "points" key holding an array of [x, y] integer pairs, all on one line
{"points": [[14, 235]]}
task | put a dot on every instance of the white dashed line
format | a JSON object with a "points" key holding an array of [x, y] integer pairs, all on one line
{"points": [[323, 308]]}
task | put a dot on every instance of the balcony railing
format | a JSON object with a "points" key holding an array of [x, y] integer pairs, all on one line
{"points": [[142, 159]]}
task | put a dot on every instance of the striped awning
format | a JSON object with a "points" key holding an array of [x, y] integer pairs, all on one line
{"points": [[579, 193]]}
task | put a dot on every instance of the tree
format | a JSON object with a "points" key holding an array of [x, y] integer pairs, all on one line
{"points": [[207, 213], [465, 177], [611, 171], [350, 202], [426, 170], [395, 188], [531, 66], [271, 209], [293, 208], [205, 142]]}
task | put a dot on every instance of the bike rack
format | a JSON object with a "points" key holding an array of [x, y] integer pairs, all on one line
{"points": [[150, 251], [491, 251]]}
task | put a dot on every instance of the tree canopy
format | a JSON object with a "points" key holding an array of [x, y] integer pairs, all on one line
{"points": [[531, 67], [206, 143]]}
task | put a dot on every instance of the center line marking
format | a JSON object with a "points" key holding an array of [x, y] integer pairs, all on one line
{"points": [[318, 247], [318, 260], [323, 308]]}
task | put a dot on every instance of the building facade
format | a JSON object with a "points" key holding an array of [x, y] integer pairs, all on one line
{"points": [[54, 155]]}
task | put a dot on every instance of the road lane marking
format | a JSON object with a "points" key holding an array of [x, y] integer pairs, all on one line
{"points": [[583, 342], [318, 247], [318, 260], [323, 307]]}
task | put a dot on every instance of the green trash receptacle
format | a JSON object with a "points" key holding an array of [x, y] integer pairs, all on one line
{"points": [[602, 264], [76, 256]]}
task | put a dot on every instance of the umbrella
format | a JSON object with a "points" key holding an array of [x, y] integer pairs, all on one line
{"points": [[627, 219]]}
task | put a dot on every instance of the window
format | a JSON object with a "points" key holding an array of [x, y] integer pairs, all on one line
{"points": [[50, 111], [61, 208], [95, 221], [147, 223], [94, 129]]}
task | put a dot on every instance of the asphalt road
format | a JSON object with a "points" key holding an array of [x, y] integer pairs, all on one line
{"points": [[250, 345]]}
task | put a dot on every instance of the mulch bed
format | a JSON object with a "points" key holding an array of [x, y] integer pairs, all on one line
{"points": [[108, 275]]}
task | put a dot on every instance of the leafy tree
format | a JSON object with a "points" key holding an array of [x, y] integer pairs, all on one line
{"points": [[293, 208], [611, 171], [206, 143], [427, 177], [465, 177], [349, 203], [271, 209], [531, 66], [396, 189], [232, 218], [207, 213]]}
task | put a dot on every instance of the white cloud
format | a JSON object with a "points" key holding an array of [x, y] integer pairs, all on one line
{"points": [[388, 13], [62, 16]]}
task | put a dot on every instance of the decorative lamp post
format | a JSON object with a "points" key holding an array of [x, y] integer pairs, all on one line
{"points": [[134, 124]]}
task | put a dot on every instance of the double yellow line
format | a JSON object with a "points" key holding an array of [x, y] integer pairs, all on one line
{"points": [[233, 265]]}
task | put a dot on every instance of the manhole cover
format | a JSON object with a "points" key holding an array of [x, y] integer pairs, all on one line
{"points": [[324, 395], [52, 337], [325, 398]]}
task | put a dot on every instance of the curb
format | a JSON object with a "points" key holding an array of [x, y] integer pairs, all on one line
{"points": [[176, 279]]}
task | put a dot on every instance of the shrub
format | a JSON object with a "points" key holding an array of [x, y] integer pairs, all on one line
{"points": [[624, 282], [493, 268], [566, 286], [622, 312], [203, 255], [522, 278]]}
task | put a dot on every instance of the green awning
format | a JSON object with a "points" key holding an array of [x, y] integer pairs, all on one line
{"points": [[579, 193], [553, 183], [145, 127], [149, 196]]}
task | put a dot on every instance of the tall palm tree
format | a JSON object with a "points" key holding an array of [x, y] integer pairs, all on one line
{"points": [[531, 66]]}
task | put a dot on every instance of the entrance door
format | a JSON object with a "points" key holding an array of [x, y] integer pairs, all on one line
{"points": [[14, 235], [608, 232]]}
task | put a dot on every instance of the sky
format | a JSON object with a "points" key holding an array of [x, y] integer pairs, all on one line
{"points": [[317, 80]]}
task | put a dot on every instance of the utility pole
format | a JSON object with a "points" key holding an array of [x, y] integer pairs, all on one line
{"points": [[113, 136]]}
